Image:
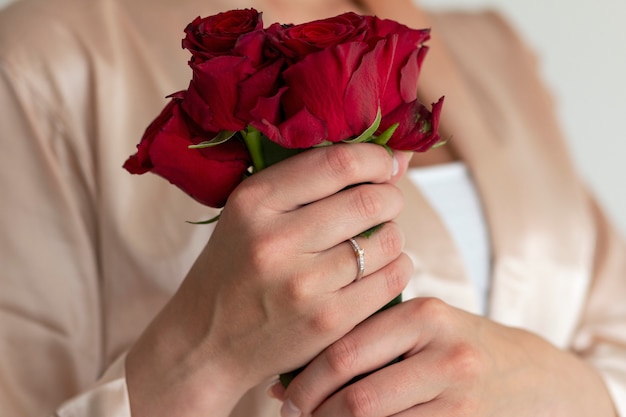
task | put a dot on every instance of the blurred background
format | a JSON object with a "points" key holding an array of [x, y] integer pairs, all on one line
{"points": [[582, 50]]}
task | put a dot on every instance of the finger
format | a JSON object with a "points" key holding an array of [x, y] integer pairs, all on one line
{"points": [[341, 266], [276, 390], [317, 173], [371, 345], [401, 160], [354, 303], [330, 221], [364, 297], [406, 385], [436, 407]]}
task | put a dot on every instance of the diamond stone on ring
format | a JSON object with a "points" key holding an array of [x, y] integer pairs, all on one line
{"points": [[360, 258]]}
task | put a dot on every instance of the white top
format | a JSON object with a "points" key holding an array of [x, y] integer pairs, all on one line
{"points": [[450, 189]]}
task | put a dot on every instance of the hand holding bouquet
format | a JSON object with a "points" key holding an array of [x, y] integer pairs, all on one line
{"points": [[259, 95]]}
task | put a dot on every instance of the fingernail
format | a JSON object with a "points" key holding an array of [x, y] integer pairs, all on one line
{"points": [[290, 410], [396, 166], [270, 389]]}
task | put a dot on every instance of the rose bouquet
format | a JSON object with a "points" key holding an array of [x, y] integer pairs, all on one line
{"points": [[261, 94]]}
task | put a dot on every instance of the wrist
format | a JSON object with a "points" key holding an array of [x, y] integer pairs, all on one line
{"points": [[574, 380], [170, 373]]}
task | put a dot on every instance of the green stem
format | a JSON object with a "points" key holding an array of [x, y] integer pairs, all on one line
{"points": [[252, 138]]}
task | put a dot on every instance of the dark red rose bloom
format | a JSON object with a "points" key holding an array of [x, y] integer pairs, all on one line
{"points": [[297, 41], [225, 89], [299, 85], [220, 34], [208, 175], [409, 51], [230, 69], [335, 91]]}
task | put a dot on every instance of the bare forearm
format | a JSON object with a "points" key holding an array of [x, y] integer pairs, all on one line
{"points": [[166, 378]]}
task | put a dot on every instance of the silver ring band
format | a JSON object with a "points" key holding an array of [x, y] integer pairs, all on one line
{"points": [[360, 258]]}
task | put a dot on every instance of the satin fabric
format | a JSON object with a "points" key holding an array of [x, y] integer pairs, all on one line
{"points": [[89, 254]]}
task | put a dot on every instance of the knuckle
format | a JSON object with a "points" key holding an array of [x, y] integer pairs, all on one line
{"points": [[342, 162], [365, 202], [431, 308], [465, 362], [264, 251], [297, 291], [342, 355], [248, 194], [362, 400], [396, 278], [431, 312], [391, 241], [302, 393], [324, 319], [237, 198]]}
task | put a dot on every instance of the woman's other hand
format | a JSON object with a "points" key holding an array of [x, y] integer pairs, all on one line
{"points": [[455, 364]]}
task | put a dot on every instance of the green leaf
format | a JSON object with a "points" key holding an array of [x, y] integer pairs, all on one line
{"points": [[384, 137], [212, 220], [439, 144], [369, 132], [221, 137], [369, 232], [322, 144]]}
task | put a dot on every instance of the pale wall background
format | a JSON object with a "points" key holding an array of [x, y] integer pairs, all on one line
{"points": [[582, 48]]}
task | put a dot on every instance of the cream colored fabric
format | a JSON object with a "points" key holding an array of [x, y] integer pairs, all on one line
{"points": [[88, 253], [450, 190]]}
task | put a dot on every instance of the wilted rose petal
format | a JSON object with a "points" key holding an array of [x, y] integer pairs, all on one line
{"points": [[417, 126]]}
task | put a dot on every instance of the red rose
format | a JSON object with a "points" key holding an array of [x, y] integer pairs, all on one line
{"points": [[417, 126], [335, 92], [208, 175], [297, 86], [410, 52], [220, 34], [318, 106], [296, 42], [230, 69], [225, 89]]}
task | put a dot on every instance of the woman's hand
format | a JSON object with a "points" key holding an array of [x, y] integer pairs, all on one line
{"points": [[274, 285], [455, 364]]}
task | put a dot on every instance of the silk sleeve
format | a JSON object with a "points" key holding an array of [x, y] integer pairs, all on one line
{"points": [[50, 294]]}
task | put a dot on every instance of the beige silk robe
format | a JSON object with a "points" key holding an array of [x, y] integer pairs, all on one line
{"points": [[88, 253]]}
